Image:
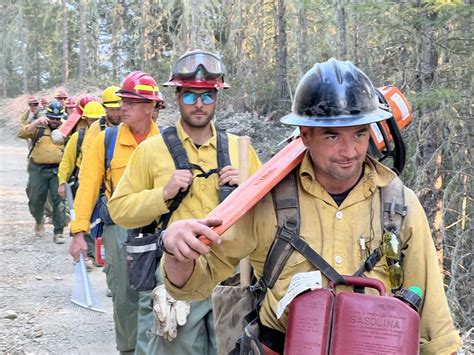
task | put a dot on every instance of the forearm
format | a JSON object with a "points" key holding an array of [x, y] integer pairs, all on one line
{"points": [[178, 273], [25, 132]]}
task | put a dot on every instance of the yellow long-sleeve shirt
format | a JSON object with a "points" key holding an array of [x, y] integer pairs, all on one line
{"points": [[70, 158], [45, 151], [334, 232], [92, 172], [138, 199]]}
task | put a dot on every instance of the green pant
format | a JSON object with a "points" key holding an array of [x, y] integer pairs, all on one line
{"points": [[90, 246], [125, 300], [145, 322], [41, 180], [197, 336]]}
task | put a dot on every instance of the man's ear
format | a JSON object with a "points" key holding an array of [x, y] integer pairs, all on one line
{"points": [[306, 133]]}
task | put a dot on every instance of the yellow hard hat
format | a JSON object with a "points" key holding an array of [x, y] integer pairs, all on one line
{"points": [[109, 99], [93, 110]]}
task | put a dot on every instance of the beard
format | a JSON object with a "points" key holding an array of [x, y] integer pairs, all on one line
{"points": [[193, 122]]}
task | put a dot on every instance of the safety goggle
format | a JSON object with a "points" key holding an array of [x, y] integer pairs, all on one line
{"points": [[34, 104], [190, 98], [199, 64], [390, 247]]}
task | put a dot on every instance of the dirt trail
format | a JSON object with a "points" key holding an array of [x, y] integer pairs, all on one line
{"points": [[36, 279]]}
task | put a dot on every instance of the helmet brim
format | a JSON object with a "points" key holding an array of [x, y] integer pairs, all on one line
{"points": [[294, 119], [111, 105]]}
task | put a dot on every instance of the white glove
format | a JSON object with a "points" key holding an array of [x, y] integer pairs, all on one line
{"points": [[169, 313], [57, 137]]}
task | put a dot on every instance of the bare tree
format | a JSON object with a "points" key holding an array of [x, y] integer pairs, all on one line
{"points": [[281, 51], [65, 41], [24, 46], [82, 39], [341, 30]]}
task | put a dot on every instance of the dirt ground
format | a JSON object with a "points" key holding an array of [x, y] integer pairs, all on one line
{"points": [[37, 278]]}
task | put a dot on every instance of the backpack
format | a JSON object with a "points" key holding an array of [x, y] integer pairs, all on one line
{"points": [[248, 301], [143, 248]]}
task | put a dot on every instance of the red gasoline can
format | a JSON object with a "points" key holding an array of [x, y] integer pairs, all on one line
{"points": [[351, 323], [99, 252]]}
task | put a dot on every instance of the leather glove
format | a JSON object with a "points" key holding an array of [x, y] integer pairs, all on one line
{"points": [[57, 137], [169, 313]]}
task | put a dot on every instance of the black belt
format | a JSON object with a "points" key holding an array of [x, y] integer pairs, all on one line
{"points": [[272, 338], [45, 166]]}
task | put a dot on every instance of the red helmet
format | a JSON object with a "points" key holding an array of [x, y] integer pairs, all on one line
{"points": [[44, 101], [83, 102], [61, 94], [140, 85], [33, 100], [198, 69], [70, 102]]}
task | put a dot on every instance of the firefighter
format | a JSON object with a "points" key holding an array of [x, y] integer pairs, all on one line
{"points": [[151, 184], [339, 196], [61, 95], [71, 163], [139, 94], [111, 103], [70, 105], [33, 110], [43, 170]]}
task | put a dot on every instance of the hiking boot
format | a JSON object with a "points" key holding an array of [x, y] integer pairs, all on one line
{"points": [[108, 293], [89, 265], [59, 238], [39, 230]]}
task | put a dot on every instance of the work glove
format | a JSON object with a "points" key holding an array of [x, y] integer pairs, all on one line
{"points": [[169, 313], [57, 137]]}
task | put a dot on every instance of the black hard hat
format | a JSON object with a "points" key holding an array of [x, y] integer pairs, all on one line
{"points": [[55, 110], [335, 94]]}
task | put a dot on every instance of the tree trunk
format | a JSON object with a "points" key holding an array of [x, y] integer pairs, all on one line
{"points": [[142, 35], [116, 28], [341, 30], [431, 154], [38, 62], [301, 39], [24, 45], [194, 23], [3, 59], [82, 39], [65, 42], [281, 51]]}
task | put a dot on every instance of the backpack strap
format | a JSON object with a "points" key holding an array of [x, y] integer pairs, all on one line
{"points": [[80, 139], [287, 239], [223, 159], [109, 148], [393, 212], [103, 123], [38, 135]]}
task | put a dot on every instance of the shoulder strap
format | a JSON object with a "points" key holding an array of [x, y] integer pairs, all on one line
{"points": [[109, 141], [393, 212], [109, 148], [103, 123], [287, 239], [38, 135], [175, 147], [223, 157], [80, 139], [181, 161]]}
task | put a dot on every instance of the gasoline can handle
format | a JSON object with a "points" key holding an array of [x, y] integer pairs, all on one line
{"points": [[365, 282]]}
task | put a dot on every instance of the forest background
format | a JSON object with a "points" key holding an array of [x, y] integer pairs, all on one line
{"points": [[421, 47]]}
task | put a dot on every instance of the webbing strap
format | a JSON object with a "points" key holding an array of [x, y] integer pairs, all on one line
{"points": [[109, 148], [393, 212], [181, 162], [38, 135]]}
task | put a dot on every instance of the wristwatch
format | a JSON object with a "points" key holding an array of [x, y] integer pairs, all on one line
{"points": [[161, 245]]}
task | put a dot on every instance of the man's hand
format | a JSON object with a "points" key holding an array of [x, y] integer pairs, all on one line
{"points": [[180, 238], [78, 245], [62, 190], [229, 175], [169, 313], [41, 121], [179, 181]]}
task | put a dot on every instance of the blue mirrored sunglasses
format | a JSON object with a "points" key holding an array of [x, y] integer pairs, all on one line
{"points": [[190, 98]]}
